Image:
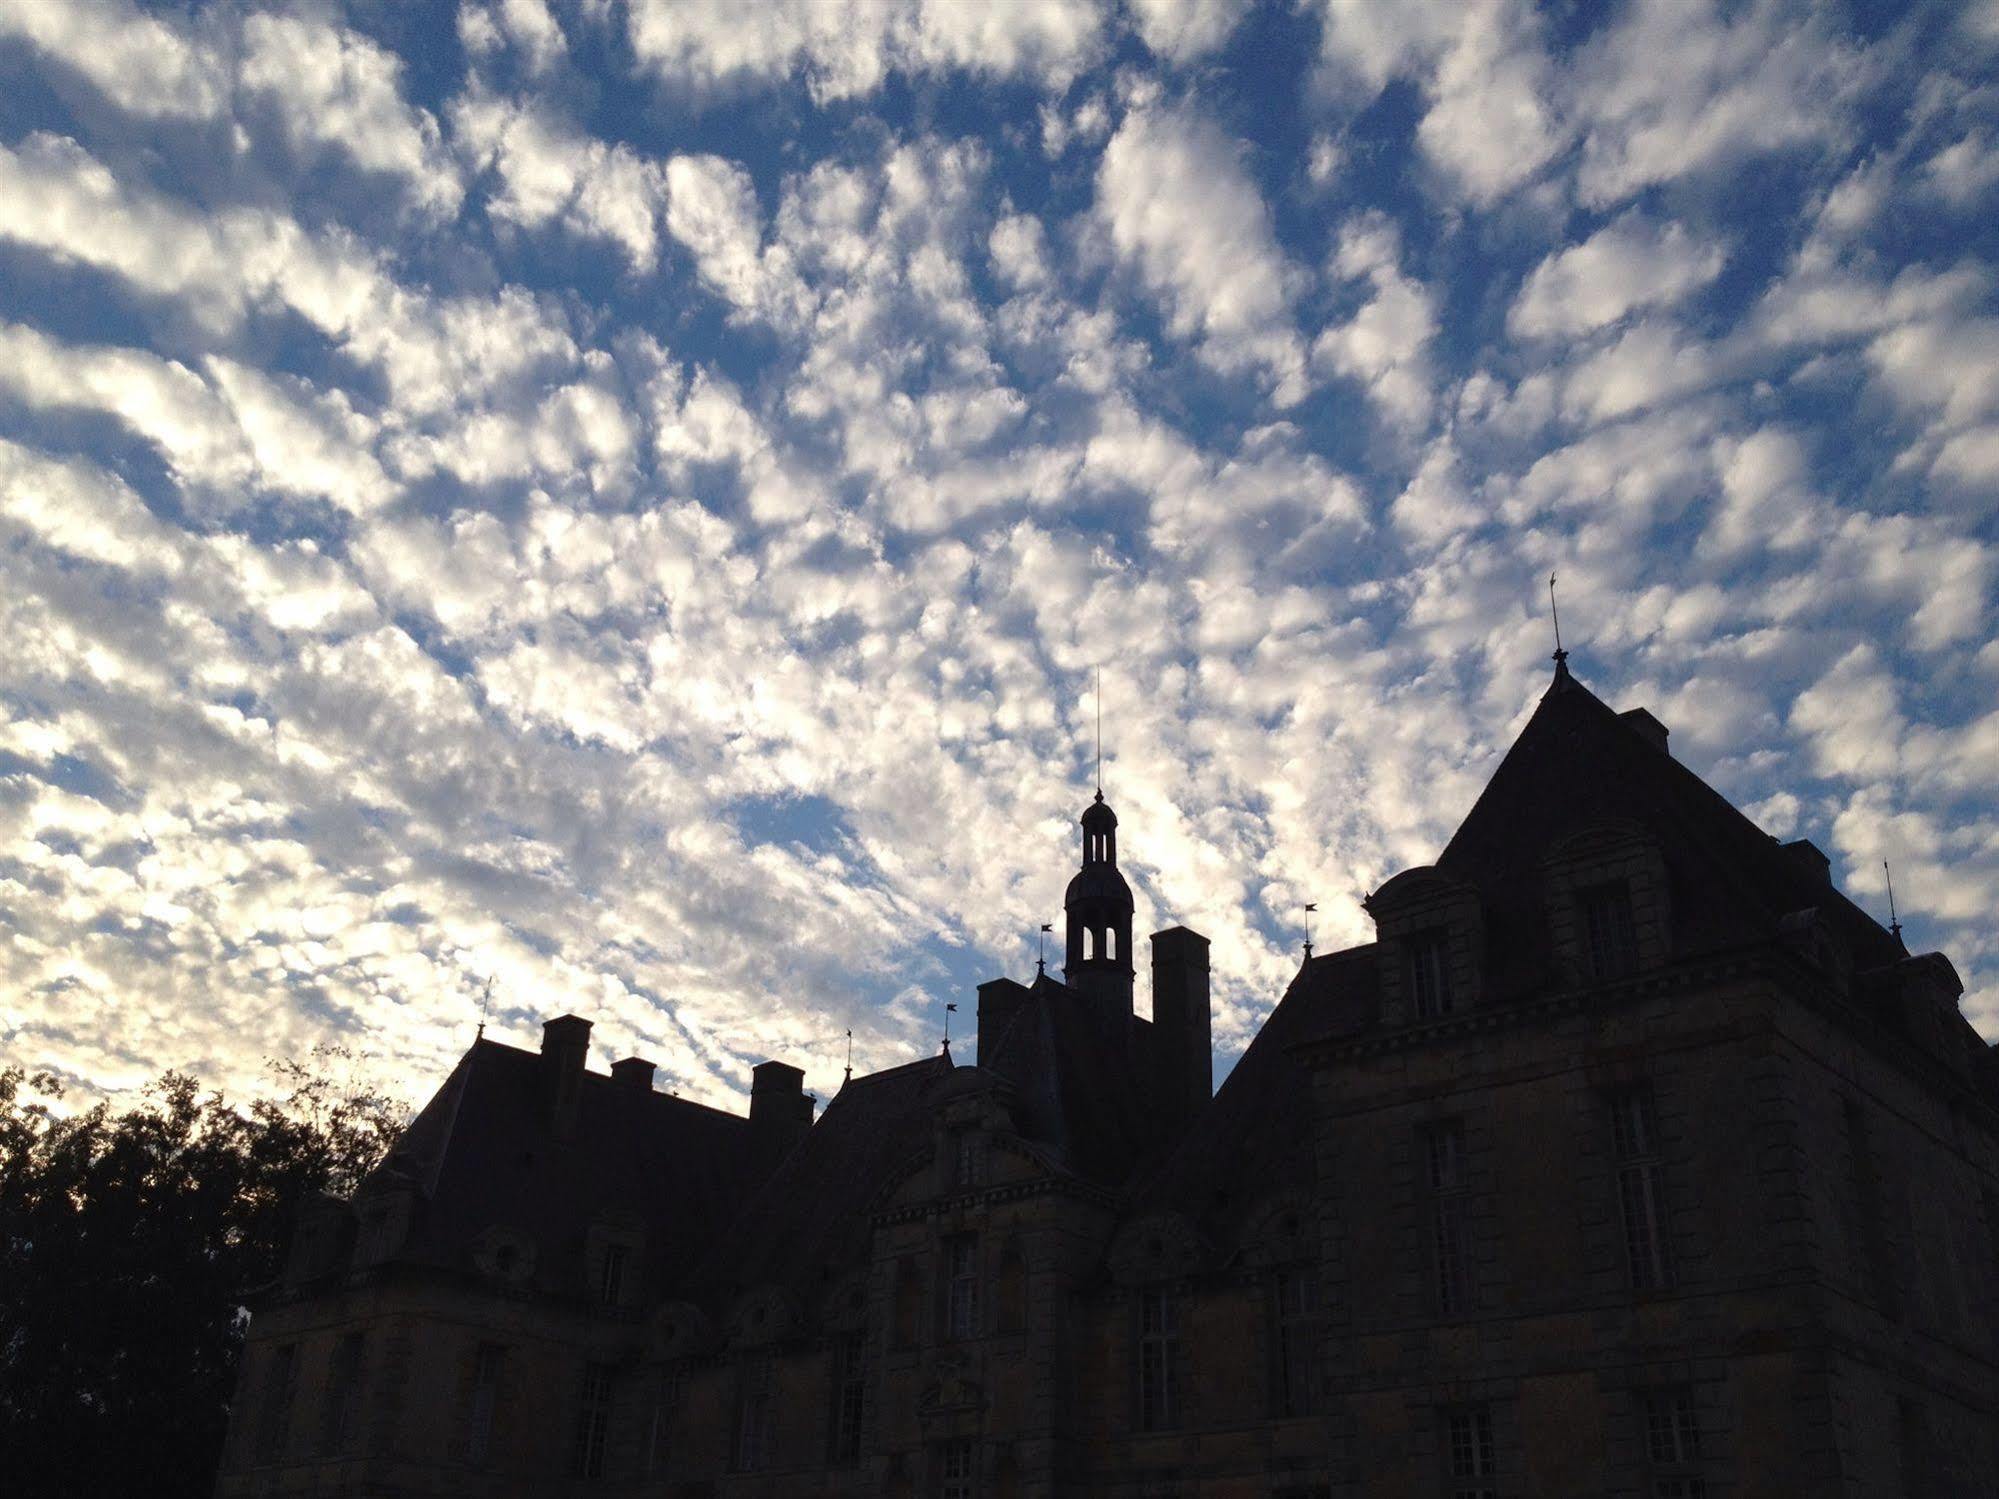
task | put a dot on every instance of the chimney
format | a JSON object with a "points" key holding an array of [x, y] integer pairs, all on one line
{"points": [[1809, 857], [1180, 1021], [565, 1047], [1649, 728], [634, 1073], [780, 1111]]}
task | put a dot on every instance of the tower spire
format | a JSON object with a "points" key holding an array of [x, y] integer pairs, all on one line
{"points": [[1554, 611], [1894, 925], [1098, 694]]}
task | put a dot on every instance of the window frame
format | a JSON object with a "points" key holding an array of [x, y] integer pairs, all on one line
{"points": [[1643, 1211]]}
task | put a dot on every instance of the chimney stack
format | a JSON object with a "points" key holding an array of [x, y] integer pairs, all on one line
{"points": [[565, 1047], [780, 1111], [1180, 1020], [1649, 728], [634, 1073]]}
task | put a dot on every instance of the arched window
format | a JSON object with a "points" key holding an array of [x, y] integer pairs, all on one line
{"points": [[1089, 944], [1110, 942]]}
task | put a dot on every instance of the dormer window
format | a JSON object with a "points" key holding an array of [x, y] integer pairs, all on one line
{"points": [[1429, 973], [1610, 936]]}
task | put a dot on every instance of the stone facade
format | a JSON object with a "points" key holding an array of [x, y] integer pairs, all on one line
{"points": [[1630, 1159]]}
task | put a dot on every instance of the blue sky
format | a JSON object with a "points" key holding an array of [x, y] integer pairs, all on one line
{"points": [[623, 503]]}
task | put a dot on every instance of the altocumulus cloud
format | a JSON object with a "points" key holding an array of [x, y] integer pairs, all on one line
{"points": [[623, 505]]}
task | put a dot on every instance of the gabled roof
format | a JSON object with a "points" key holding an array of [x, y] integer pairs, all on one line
{"points": [[812, 1212], [1253, 1138], [1580, 764], [483, 1153]]}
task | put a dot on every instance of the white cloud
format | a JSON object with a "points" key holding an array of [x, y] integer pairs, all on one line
{"points": [[1184, 214], [1966, 170], [847, 48], [1183, 30], [1386, 344], [1629, 264], [335, 89], [1675, 88], [140, 63]]}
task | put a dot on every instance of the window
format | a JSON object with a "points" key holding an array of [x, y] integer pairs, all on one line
{"points": [[1673, 1443], [1450, 1215], [961, 1290], [343, 1392], [1012, 1290], [1089, 944], [849, 1396], [753, 1415], [487, 1361], [1430, 974], [611, 1274], [1610, 938], [967, 1158], [954, 1470], [593, 1422], [1296, 1294], [1110, 942], [1868, 1230], [1641, 1193], [659, 1433], [908, 1303], [1158, 1361], [1469, 1452], [274, 1413]]}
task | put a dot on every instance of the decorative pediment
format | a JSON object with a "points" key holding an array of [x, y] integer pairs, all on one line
{"points": [[1157, 1247], [504, 1254], [681, 1329], [951, 1394], [1431, 931], [1280, 1230], [763, 1315]]}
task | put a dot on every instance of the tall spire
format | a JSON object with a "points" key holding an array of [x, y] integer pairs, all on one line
{"points": [[1561, 656]]}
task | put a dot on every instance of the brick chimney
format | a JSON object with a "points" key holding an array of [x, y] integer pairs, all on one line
{"points": [[634, 1073], [565, 1047], [780, 1111], [1181, 1026]]}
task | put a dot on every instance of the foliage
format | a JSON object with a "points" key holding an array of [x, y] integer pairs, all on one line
{"points": [[127, 1242]]}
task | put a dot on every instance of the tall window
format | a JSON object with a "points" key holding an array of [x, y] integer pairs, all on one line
{"points": [[955, 1470], [1430, 974], [1867, 1223], [593, 1422], [961, 1288], [1450, 1215], [1641, 1193], [1469, 1453], [1673, 1443], [274, 1413], [908, 1303], [1610, 937], [611, 1274], [487, 1362], [1158, 1360], [659, 1432], [753, 1415], [849, 1395], [1296, 1296], [967, 1158], [343, 1394]]}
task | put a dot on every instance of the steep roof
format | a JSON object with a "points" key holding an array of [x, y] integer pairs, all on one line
{"points": [[812, 1211], [1252, 1138], [484, 1154], [1579, 764]]}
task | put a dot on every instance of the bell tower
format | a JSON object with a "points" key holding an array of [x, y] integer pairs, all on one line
{"points": [[1098, 908]]}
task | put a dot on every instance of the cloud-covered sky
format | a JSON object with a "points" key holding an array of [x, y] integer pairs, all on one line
{"points": [[621, 501]]}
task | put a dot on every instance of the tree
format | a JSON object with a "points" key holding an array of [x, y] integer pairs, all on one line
{"points": [[127, 1242]]}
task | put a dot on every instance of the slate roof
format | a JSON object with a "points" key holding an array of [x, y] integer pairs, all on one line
{"points": [[812, 1212], [483, 1154], [1577, 764]]}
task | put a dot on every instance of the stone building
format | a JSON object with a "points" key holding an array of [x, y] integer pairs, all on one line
{"points": [[1629, 1159]]}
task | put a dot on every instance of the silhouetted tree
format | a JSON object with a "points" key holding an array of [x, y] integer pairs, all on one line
{"points": [[126, 1243]]}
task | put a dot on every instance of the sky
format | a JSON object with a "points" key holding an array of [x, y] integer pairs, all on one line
{"points": [[611, 506]]}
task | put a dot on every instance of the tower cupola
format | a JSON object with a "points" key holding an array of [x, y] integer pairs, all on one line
{"points": [[1099, 908]]}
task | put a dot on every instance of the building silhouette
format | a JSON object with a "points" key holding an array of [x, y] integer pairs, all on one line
{"points": [[1630, 1158]]}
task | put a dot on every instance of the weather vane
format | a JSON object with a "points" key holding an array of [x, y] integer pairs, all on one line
{"points": [[1894, 925], [949, 1011], [1041, 948], [485, 1003], [1560, 654], [1309, 909], [850, 1056]]}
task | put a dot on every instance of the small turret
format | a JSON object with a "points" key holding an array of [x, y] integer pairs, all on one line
{"points": [[1099, 908]]}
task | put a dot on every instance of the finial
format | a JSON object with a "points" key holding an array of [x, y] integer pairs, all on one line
{"points": [[850, 1058], [1561, 656], [1309, 909], [485, 1002], [1099, 694], [949, 1011], [1894, 926], [1041, 948]]}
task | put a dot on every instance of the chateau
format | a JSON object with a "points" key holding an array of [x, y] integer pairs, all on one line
{"points": [[1630, 1158]]}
